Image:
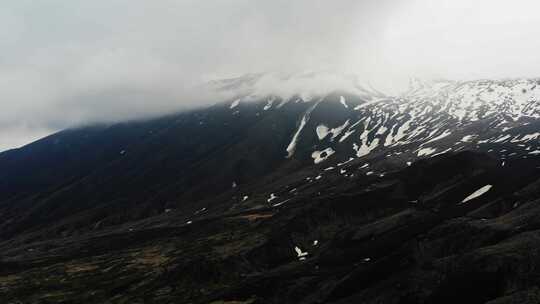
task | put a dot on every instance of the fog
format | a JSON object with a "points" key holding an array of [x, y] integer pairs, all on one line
{"points": [[66, 63]]}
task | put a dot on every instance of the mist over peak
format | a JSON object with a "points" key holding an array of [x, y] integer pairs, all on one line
{"points": [[306, 84], [65, 63]]}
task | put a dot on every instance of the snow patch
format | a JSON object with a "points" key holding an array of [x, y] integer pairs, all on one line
{"points": [[322, 131], [300, 254], [365, 148], [441, 136], [442, 152], [530, 136], [426, 151], [235, 103], [347, 134], [345, 162], [477, 193], [272, 197], [466, 138], [343, 102], [292, 145], [268, 104], [320, 156]]}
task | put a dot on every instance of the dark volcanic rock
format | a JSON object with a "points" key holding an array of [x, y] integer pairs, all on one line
{"points": [[279, 202]]}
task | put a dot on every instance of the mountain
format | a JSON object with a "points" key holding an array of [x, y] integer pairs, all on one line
{"points": [[351, 196]]}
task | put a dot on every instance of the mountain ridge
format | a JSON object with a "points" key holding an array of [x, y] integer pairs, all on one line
{"points": [[267, 200]]}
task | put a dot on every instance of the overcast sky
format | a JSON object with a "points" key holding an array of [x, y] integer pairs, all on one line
{"points": [[65, 62]]}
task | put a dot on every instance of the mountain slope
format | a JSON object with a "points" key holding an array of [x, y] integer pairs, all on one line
{"points": [[346, 197]]}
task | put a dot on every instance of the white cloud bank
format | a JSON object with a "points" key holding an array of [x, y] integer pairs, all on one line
{"points": [[65, 62]]}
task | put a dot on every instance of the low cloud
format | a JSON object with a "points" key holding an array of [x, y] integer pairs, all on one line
{"points": [[66, 63]]}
